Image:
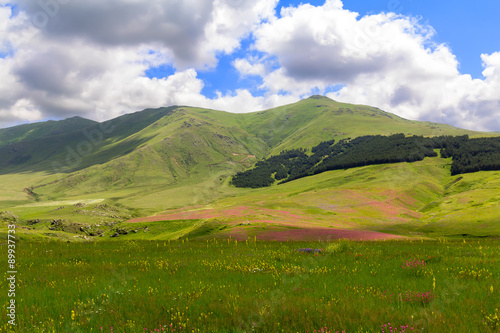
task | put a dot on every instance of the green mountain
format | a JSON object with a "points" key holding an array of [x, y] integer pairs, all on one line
{"points": [[76, 147], [180, 157], [77, 143], [318, 118], [36, 131]]}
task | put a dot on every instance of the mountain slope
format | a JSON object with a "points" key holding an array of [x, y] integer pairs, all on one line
{"points": [[303, 124], [186, 145], [77, 148], [318, 118], [411, 199], [172, 158], [36, 131], [417, 199], [179, 146]]}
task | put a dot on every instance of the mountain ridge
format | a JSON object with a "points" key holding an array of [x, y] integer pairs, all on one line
{"points": [[38, 130], [262, 133]]}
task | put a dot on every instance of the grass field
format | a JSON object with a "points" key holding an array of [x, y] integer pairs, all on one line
{"points": [[247, 286], [143, 231], [417, 199]]}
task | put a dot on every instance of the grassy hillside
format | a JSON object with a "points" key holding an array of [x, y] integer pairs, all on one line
{"points": [[180, 148], [158, 160], [72, 145], [318, 118], [77, 148], [418, 199], [36, 131]]}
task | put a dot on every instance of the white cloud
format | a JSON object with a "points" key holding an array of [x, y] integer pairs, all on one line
{"points": [[385, 60], [23, 111], [246, 68], [193, 30], [243, 101], [90, 57], [232, 20], [14, 30]]}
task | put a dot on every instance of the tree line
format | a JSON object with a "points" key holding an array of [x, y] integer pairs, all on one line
{"points": [[468, 155]]}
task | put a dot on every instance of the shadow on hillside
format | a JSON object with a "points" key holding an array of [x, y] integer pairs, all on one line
{"points": [[69, 152], [65, 158]]}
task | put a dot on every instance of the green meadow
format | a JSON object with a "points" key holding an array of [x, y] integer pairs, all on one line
{"points": [[417, 199], [224, 285]]}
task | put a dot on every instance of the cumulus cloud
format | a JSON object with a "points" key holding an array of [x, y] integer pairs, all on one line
{"points": [[63, 58], [243, 101], [247, 67], [385, 60], [60, 58], [329, 45], [192, 30]]}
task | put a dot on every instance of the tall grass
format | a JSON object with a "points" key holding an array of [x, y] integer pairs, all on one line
{"points": [[234, 286]]}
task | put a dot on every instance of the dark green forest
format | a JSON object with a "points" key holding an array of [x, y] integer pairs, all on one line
{"points": [[468, 155]]}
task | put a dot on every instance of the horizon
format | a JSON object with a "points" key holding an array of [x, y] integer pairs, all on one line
{"points": [[418, 61]]}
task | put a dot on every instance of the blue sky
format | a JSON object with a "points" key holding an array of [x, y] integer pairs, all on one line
{"points": [[420, 59], [469, 28]]}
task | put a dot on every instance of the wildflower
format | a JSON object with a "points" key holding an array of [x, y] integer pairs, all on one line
{"points": [[309, 250]]}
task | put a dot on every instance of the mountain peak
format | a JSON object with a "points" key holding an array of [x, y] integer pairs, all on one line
{"points": [[320, 97]]}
